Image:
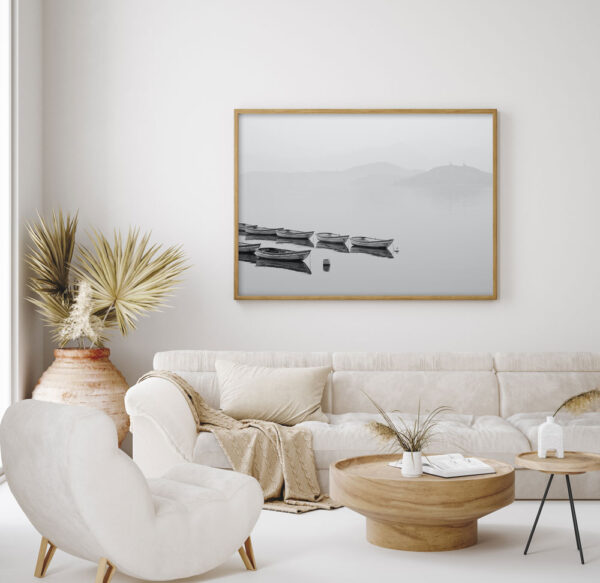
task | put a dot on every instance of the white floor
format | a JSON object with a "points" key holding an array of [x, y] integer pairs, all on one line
{"points": [[331, 546]]}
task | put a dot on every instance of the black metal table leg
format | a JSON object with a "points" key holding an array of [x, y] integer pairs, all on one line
{"points": [[538, 513], [575, 526]]}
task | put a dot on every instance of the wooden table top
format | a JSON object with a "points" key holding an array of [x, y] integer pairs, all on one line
{"points": [[574, 462], [368, 485], [376, 468]]}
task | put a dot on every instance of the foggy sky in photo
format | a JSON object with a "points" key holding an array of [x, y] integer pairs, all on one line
{"points": [[305, 142]]}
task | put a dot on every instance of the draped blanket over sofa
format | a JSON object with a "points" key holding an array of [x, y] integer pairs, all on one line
{"points": [[498, 401]]}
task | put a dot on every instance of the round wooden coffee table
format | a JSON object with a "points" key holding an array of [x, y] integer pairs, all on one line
{"points": [[574, 462], [419, 514]]}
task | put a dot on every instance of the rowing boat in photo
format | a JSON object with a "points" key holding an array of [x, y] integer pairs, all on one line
{"points": [[254, 230], [371, 242], [261, 237], [332, 237], [291, 234], [281, 254], [244, 247], [243, 226]]}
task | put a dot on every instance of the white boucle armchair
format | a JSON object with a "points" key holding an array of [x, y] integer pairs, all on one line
{"points": [[89, 499]]}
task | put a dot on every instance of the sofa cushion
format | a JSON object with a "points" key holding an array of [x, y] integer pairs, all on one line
{"points": [[283, 395], [531, 392], [547, 361], [468, 392], [348, 435], [197, 367], [580, 432], [430, 361]]}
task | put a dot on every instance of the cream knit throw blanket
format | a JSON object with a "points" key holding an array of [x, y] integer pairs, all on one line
{"points": [[281, 458]]}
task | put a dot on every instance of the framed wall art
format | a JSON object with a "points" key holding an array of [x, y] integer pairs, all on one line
{"points": [[394, 204]]}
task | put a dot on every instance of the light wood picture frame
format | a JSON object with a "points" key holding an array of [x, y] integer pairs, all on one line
{"points": [[365, 204]]}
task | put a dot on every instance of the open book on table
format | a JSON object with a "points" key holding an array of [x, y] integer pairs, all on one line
{"points": [[451, 465]]}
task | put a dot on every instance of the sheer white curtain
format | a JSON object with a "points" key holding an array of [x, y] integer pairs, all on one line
{"points": [[5, 206]]}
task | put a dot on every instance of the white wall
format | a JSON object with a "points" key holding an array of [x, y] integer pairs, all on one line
{"points": [[26, 334], [138, 129], [5, 199]]}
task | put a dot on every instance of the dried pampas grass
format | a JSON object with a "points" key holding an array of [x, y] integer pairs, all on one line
{"points": [[381, 431], [413, 437], [582, 403]]}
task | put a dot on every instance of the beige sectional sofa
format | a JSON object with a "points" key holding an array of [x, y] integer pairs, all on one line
{"points": [[497, 400]]}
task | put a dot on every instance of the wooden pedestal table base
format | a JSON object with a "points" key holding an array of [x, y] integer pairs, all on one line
{"points": [[419, 514], [421, 537], [574, 462]]}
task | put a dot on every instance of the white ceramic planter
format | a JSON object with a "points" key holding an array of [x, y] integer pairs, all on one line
{"points": [[412, 464], [550, 437]]}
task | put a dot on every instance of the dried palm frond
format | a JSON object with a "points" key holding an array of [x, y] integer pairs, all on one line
{"points": [[129, 277], [588, 401], [415, 437], [54, 310], [50, 256]]}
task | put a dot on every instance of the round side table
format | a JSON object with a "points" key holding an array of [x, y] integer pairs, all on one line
{"points": [[574, 462]]}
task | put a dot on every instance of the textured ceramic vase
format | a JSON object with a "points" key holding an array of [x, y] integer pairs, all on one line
{"points": [[550, 437], [412, 464], [86, 377]]}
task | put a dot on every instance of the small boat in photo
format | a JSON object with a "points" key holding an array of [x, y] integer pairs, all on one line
{"points": [[299, 242], [244, 247], [339, 247], [261, 237], [243, 226], [371, 242], [281, 254], [298, 266], [374, 251], [332, 237], [291, 234], [255, 230]]}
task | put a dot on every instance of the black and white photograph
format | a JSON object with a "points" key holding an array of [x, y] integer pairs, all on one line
{"points": [[365, 205]]}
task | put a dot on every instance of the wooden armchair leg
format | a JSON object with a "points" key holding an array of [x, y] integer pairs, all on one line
{"points": [[247, 554], [105, 571], [44, 557]]}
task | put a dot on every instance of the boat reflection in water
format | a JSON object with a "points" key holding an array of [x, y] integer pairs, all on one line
{"points": [[248, 257], [339, 247], [376, 252], [298, 266], [300, 242]]}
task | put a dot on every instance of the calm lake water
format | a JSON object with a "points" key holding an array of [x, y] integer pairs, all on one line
{"points": [[444, 243], [443, 235]]}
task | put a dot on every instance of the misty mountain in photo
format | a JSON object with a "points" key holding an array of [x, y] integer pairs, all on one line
{"points": [[369, 180]]}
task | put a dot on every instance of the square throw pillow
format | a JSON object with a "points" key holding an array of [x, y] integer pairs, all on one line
{"points": [[283, 395]]}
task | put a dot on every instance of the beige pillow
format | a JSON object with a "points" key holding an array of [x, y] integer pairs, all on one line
{"points": [[283, 395]]}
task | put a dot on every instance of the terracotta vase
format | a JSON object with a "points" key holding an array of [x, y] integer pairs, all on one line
{"points": [[86, 377]]}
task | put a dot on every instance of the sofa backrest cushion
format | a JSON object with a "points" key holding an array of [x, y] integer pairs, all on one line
{"points": [[197, 367], [542, 381], [399, 381]]}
